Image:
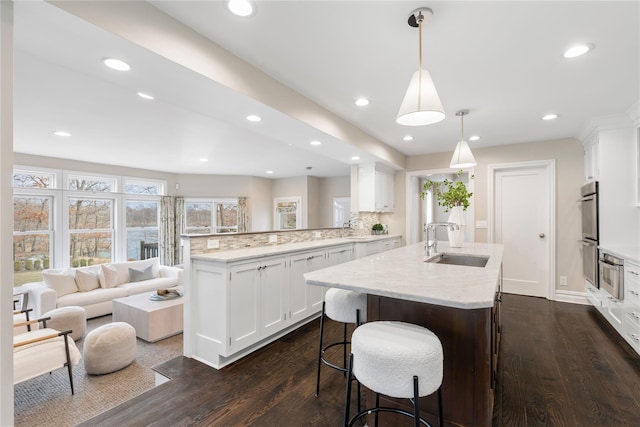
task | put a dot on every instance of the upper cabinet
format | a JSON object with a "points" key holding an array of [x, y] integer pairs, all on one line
{"points": [[375, 188], [591, 159]]}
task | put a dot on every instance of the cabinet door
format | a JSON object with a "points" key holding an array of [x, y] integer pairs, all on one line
{"points": [[272, 286], [339, 254], [383, 191], [302, 297], [244, 299]]}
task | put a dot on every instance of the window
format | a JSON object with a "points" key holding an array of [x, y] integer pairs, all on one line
{"points": [[142, 225], [90, 231], [91, 183], [211, 216], [287, 213], [33, 179], [135, 186], [32, 237]]}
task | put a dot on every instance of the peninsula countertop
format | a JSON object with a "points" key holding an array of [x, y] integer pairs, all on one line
{"points": [[403, 273], [278, 249]]}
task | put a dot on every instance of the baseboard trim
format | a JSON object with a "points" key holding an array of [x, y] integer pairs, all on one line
{"points": [[571, 297]]}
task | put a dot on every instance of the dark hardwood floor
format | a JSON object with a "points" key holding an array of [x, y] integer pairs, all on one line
{"points": [[560, 365]]}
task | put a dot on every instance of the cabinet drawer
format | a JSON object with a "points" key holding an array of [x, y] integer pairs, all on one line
{"points": [[632, 333]]}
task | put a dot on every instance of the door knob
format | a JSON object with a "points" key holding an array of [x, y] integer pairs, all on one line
{"points": [[541, 235]]}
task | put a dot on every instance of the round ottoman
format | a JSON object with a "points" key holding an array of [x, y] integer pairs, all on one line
{"points": [[68, 318], [109, 348]]}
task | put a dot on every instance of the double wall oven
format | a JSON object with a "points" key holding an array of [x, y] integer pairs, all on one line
{"points": [[590, 231]]}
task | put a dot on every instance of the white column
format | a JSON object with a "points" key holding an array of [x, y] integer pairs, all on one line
{"points": [[6, 212]]}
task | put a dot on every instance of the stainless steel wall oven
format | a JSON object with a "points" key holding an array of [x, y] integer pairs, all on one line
{"points": [[590, 232]]}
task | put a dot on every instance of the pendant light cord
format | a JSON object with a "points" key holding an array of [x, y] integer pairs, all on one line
{"points": [[420, 19], [462, 127]]}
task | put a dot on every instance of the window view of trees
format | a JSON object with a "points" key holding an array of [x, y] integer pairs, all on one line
{"points": [[31, 236], [217, 216], [71, 219], [142, 225]]}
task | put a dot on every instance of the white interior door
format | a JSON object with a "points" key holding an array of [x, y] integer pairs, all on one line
{"points": [[523, 204]]}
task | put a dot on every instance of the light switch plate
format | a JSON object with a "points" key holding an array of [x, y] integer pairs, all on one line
{"points": [[481, 224], [213, 244], [273, 238], [317, 234]]}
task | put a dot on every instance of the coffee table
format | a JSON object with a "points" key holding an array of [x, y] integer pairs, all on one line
{"points": [[152, 320]]}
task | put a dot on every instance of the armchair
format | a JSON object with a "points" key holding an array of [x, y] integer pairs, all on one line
{"points": [[40, 351]]}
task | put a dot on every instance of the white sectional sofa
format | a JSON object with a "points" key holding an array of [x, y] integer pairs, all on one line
{"points": [[95, 287]]}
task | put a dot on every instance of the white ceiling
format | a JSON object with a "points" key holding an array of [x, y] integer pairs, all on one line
{"points": [[502, 60]]}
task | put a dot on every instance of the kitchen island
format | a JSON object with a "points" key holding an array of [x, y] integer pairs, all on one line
{"points": [[459, 303]]}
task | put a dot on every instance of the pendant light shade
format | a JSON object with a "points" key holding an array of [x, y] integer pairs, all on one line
{"points": [[421, 104], [462, 156]]}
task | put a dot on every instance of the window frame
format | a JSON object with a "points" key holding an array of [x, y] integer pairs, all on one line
{"points": [[212, 203]]}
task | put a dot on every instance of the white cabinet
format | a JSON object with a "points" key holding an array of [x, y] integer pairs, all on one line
{"points": [[304, 299], [591, 159], [257, 301], [632, 305], [375, 188], [363, 249], [339, 254], [241, 305]]}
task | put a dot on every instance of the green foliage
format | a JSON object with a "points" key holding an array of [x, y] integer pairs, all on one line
{"points": [[17, 265], [75, 263], [449, 193], [83, 262], [377, 227], [91, 261], [45, 263], [28, 264], [37, 265]]}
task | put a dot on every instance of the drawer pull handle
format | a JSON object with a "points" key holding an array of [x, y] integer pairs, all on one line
{"points": [[635, 337]]}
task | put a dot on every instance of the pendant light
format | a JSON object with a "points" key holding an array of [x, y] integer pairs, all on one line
{"points": [[421, 104], [462, 157]]}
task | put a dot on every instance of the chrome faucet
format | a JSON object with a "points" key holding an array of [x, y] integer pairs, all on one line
{"points": [[346, 224], [431, 245]]}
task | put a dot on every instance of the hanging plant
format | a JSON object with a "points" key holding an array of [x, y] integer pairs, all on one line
{"points": [[449, 193]]}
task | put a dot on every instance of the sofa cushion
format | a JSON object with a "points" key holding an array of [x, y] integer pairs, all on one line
{"points": [[137, 275], [133, 288], [123, 268], [108, 277], [87, 280], [61, 281], [94, 297]]}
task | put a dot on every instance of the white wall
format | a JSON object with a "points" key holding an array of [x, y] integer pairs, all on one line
{"points": [[314, 202], [260, 205], [568, 154]]}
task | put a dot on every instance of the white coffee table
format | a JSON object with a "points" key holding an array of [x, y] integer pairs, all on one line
{"points": [[152, 320]]}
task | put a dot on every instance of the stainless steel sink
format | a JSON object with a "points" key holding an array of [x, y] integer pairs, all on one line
{"points": [[459, 259]]}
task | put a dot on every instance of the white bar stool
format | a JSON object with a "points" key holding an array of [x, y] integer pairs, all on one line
{"points": [[342, 306], [396, 359]]}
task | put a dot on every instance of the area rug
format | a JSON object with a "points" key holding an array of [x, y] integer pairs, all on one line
{"points": [[47, 401]]}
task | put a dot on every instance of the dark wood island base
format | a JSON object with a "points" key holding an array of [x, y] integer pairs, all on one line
{"points": [[470, 341]]}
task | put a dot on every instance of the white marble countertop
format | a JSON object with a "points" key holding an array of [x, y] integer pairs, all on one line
{"points": [[264, 251], [402, 273]]}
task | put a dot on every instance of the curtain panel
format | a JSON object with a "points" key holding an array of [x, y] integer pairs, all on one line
{"points": [[167, 231]]}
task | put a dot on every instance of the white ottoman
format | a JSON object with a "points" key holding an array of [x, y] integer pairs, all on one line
{"points": [[396, 359], [342, 306], [71, 318], [109, 348]]}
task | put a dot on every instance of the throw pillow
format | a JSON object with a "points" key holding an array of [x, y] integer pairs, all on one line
{"points": [[63, 282], [136, 275], [110, 277], [86, 281]]}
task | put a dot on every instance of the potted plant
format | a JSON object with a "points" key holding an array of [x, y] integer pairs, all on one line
{"points": [[454, 197], [377, 228]]}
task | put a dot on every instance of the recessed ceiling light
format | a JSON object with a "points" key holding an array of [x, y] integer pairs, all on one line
{"points": [[116, 64], [240, 7], [550, 117], [315, 143], [146, 95], [269, 172], [577, 50], [355, 158], [204, 159], [474, 138], [362, 102], [407, 138], [254, 118], [61, 133]]}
